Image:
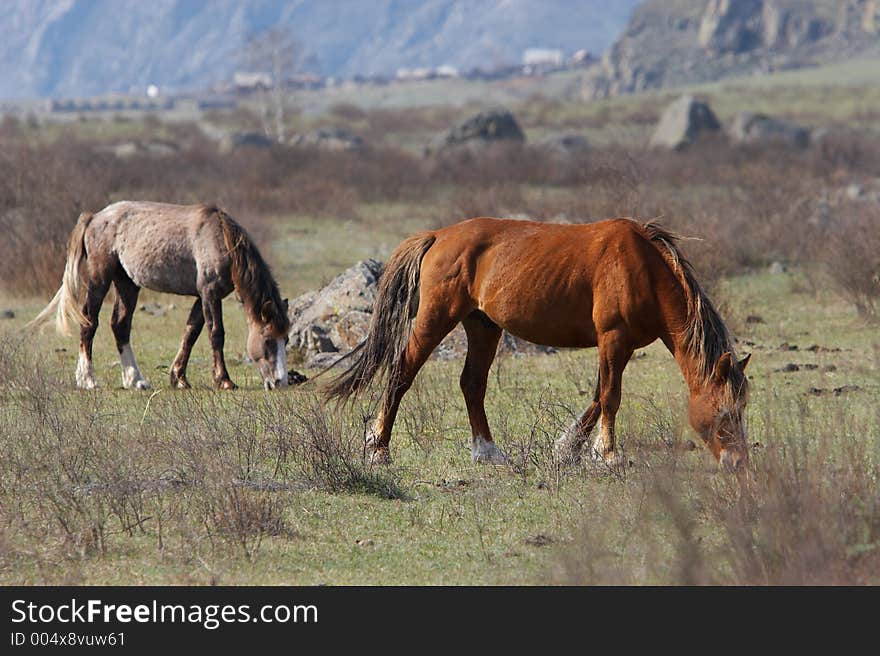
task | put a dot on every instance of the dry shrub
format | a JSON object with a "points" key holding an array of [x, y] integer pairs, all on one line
{"points": [[206, 476], [44, 188], [851, 255], [42, 191], [808, 515], [332, 457]]}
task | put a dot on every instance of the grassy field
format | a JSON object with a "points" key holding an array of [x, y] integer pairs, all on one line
{"points": [[248, 506], [248, 487]]}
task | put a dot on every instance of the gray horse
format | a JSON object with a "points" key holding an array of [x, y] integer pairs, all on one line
{"points": [[190, 250]]}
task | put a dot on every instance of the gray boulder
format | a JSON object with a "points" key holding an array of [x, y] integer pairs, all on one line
{"points": [[336, 318], [487, 127], [245, 140], [683, 122], [335, 139], [749, 128]]}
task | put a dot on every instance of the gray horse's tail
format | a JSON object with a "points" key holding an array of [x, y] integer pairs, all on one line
{"points": [[396, 305], [65, 305]]}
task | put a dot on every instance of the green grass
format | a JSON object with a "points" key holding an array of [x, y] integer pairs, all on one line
{"points": [[457, 523]]}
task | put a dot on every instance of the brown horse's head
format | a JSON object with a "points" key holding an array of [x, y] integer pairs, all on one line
{"points": [[717, 412], [267, 343]]}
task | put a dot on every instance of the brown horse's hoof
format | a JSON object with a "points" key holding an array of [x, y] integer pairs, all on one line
{"points": [[612, 459], [487, 452], [381, 456], [376, 454], [226, 385]]}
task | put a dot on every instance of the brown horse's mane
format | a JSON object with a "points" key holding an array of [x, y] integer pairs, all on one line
{"points": [[251, 275], [705, 334]]}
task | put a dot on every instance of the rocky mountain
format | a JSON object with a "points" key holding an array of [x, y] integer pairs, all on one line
{"points": [[86, 47], [676, 42]]}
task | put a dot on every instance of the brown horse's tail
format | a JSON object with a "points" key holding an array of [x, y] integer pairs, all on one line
{"points": [[396, 305], [65, 305]]}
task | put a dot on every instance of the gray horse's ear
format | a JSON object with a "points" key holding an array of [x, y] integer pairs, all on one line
{"points": [[267, 312], [722, 368], [745, 362], [285, 304]]}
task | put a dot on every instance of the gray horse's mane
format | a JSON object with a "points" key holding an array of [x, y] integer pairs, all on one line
{"points": [[251, 275]]}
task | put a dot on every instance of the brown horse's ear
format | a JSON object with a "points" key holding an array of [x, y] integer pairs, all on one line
{"points": [[267, 312], [722, 368], [745, 362]]}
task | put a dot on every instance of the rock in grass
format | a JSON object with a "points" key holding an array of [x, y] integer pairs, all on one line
{"points": [[749, 128], [684, 122]]}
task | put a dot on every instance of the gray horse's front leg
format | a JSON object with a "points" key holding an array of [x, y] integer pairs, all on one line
{"points": [[213, 311]]}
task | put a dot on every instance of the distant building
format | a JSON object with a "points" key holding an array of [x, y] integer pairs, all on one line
{"points": [[247, 81], [446, 71], [409, 74], [542, 57]]}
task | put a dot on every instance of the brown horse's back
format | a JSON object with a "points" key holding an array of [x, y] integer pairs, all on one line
{"points": [[559, 285]]}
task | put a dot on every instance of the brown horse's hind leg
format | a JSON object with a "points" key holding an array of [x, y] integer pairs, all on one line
{"points": [[426, 335], [614, 354], [85, 373], [123, 313], [194, 325], [213, 311], [483, 336], [568, 447]]}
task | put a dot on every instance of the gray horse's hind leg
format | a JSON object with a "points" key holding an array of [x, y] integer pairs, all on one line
{"points": [[123, 313], [194, 325], [85, 373]]}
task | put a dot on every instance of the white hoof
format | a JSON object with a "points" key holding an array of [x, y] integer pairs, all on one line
{"points": [[85, 374], [612, 459], [376, 455], [486, 452], [131, 375], [87, 383]]}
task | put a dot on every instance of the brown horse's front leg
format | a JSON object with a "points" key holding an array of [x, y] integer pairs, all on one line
{"points": [[213, 311], [614, 354]]}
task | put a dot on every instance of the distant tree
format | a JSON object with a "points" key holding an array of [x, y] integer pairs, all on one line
{"points": [[274, 52]]}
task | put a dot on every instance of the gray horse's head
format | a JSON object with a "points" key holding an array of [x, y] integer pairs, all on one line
{"points": [[267, 344]]}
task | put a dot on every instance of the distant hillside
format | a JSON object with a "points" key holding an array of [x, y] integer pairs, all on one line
{"points": [[87, 47], [677, 42]]}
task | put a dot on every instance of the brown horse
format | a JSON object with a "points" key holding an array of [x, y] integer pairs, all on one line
{"points": [[616, 284], [190, 250]]}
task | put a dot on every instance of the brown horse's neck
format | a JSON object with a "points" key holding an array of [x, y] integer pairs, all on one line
{"points": [[690, 368], [678, 339]]}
